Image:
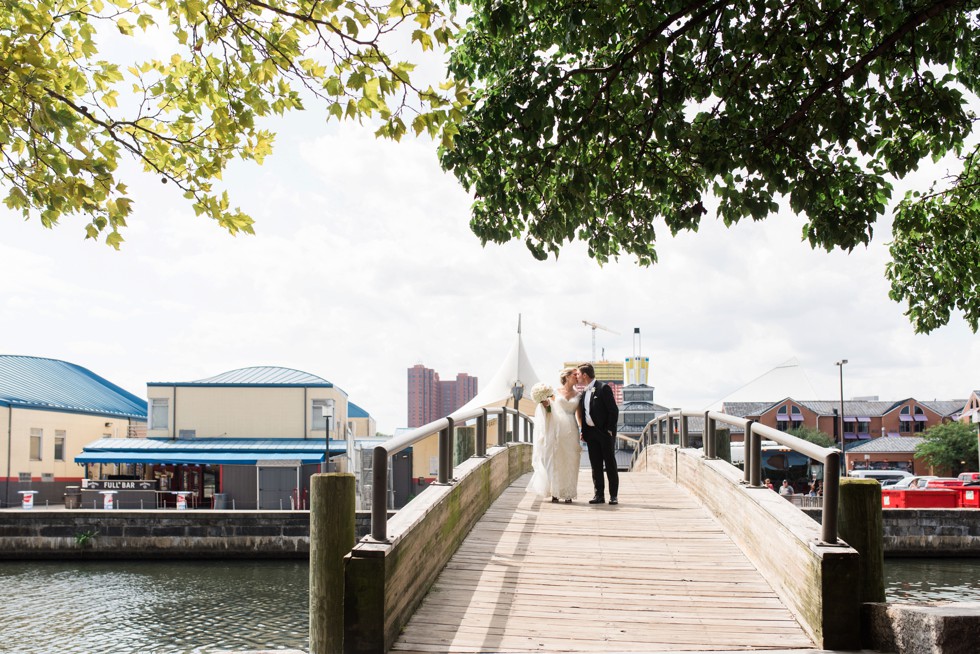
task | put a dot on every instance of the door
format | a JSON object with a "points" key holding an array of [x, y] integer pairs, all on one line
{"points": [[276, 487]]}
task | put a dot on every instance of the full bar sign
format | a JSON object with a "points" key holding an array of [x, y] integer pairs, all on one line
{"points": [[119, 484]]}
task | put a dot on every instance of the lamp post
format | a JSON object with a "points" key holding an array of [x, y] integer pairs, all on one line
{"points": [[518, 392], [843, 465], [327, 417]]}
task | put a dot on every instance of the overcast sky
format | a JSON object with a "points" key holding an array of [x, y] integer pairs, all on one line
{"points": [[363, 265]]}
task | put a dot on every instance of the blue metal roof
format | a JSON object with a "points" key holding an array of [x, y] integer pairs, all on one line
{"points": [[354, 411], [234, 451], [49, 384], [256, 376]]}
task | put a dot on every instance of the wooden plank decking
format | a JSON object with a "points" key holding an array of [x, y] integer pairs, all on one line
{"points": [[655, 573]]}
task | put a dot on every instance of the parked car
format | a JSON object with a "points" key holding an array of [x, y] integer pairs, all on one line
{"points": [[969, 477], [879, 475], [944, 482], [913, 482]]}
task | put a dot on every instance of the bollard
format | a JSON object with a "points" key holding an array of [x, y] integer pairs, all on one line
{"points": [[859, 524], [331, 539]]}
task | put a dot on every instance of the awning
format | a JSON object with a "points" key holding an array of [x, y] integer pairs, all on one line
{"points": [[905, 418], [850, 419], [864, 437], [197, 458], [208, 451], [850, 437], [864, 419], [920, 418]]}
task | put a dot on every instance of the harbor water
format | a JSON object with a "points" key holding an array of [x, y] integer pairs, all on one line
{"points": [[201, 607]]}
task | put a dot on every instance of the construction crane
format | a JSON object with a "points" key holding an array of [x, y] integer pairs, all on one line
{"points": [[594, 327]]}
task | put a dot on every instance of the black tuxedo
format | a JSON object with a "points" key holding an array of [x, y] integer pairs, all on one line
{"points": [[601, 438]]}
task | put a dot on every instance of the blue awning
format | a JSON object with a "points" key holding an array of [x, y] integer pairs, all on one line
{"points": [[197, 458], [207, 451]]}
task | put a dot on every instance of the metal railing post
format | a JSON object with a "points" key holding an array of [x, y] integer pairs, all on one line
{"points": [[502, 427], [481, 434], [831, 495], [516, 428], [756, 479], [660, 430], [682, 436], [446, 453], [379, 494], [527, 430], [710, 446], [747, 452]]}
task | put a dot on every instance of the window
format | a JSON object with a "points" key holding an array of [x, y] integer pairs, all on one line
{"points": [[59, 445], [639, 419], [920, 419], [159, 413], [322, 409], [36, 435], [905, 420]]}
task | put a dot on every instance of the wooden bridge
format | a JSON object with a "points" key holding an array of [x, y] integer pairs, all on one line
{"points": [[656, 573], [698, 556]]}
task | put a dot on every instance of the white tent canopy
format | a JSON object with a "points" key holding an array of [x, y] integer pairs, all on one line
{"points": [[785, 380], [516, 367]]}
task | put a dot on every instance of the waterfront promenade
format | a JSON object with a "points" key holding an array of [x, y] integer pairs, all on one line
{"points": [[654, 574]]}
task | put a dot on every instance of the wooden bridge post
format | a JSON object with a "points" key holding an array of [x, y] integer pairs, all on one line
{"points": [[859, 523], [332, 533]]}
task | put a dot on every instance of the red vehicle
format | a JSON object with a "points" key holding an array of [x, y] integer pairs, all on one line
{"points": [[970, 477], [944, 482]]}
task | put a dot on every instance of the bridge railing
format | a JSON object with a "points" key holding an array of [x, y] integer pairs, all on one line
{"points": [[661, 430], [445, 427]]}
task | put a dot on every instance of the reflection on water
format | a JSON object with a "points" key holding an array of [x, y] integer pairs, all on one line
{"points": [[932, 580], [153, 606], [206, 606]]}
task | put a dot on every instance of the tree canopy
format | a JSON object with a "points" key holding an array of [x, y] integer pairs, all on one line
{"points": [[71, 114], [951, 446], [594, 120], [813, 435]]}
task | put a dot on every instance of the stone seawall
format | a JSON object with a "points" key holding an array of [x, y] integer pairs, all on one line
{"points": [[928, 532], [100, 534], [81, 534]]}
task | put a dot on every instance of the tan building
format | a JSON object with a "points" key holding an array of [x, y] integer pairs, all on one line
{"points": [[49, 410], [248, 438], [360, 423]]}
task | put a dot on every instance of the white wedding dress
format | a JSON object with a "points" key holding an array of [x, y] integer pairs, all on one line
{"points": [[557, 453]]}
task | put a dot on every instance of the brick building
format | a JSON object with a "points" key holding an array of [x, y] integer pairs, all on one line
{"points": [[429, 398]]}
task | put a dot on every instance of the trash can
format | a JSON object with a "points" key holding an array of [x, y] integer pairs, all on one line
{"points": [[73, 497], [221, 501]]}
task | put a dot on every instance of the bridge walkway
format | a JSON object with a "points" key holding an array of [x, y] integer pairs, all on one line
{"points": [[654, 574]]}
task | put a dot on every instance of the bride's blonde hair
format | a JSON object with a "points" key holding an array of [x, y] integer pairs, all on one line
{"points": [[563, 376]]}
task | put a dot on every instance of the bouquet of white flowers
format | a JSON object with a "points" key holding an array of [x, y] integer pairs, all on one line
{"points": [[541, 393]]}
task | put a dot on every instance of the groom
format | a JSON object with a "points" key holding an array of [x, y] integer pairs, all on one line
{"points": [[599, 416]]}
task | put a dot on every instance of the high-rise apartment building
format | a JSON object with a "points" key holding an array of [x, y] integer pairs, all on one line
{"points": [[430, 399]]}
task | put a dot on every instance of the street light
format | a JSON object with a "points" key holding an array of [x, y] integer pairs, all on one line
{"points": [[326, 410], [518, 392], [840, 365]]}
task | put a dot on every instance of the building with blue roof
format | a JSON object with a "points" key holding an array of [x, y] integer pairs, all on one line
{"points": [[49, 409], [248, 438]]}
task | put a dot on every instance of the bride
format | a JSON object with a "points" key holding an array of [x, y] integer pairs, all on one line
{"points": [[557, 452]]}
